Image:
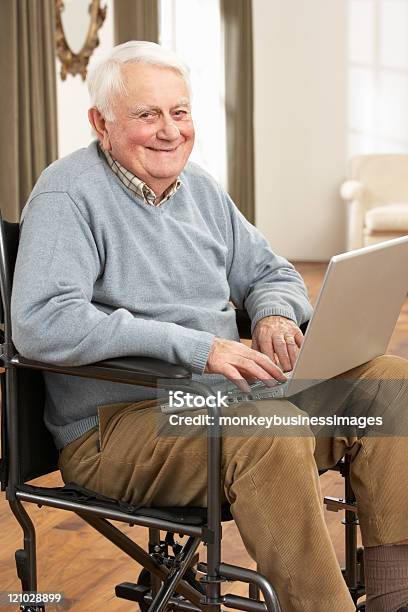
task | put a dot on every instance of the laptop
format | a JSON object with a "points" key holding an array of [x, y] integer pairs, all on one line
{"points": [[353, 320]]}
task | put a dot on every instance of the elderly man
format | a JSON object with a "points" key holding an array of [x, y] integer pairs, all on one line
{"points": [[127, 249]]}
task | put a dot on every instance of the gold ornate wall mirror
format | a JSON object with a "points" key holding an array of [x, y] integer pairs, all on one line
{"points": [[77, 26]]}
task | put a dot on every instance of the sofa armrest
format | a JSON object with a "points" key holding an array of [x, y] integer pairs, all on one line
{"points": [[351, 190], [143, 371]]}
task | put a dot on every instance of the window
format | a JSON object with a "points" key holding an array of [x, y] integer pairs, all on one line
{"points": [[378, 76], [193, 29]]}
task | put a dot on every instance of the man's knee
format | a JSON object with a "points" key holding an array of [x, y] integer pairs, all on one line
{"points": [[278, 462], [384, 367], [279, 436], [282, 452]]}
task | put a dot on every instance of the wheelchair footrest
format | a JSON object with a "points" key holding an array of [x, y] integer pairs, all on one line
{"points": [[131, 591]]}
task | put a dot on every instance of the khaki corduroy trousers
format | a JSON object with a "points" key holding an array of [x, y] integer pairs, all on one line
{"points": [[271, 481]]}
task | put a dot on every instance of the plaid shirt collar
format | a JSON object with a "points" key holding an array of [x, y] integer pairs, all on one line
{"points": [[132, 182]]}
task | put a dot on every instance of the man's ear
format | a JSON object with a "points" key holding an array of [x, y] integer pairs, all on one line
{"points": [[98, 123]]}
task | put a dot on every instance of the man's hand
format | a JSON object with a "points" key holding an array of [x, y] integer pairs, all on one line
{"points": [[239, 363], [278, 338]]}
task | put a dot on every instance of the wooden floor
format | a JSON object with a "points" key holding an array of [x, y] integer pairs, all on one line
{"points": [[77, 561]]}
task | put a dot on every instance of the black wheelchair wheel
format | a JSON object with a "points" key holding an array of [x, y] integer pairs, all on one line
{"points": [[145, 579]]}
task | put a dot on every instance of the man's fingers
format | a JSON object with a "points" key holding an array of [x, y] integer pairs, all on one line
{"points": [[234, 376], [251, 370], [255, 365], [280, 348], [254, 345], [280, 342], [237, 361], [266, 346], [299, 338], [292, 349], [269, 364]]}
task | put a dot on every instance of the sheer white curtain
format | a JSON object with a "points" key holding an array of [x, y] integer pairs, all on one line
{"points": [[193, 29]]}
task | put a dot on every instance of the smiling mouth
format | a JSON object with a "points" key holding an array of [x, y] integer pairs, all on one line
{"points": [[163, 150]]}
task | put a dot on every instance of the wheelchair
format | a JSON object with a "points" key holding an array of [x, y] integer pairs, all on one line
{"points": [[172, 577]]}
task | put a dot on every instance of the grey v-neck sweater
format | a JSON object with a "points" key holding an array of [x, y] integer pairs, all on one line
{"points": [[100, 274]]}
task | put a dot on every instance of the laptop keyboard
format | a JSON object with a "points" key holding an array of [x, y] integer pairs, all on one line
{"points": [[259, 391]]}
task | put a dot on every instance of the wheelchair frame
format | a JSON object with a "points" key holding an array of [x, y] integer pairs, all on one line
{"points": [[170, 585]]}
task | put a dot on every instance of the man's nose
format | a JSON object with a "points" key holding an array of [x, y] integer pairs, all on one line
{"points": [[168, 129]]}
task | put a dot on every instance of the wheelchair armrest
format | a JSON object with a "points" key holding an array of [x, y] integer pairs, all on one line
{"points": [[143, 371]]}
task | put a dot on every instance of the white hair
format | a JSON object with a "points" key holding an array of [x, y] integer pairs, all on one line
{"points": [[105, 78]]}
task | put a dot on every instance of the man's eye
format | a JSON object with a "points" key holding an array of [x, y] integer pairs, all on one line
{"points": [[180, 113], [147, 115]]}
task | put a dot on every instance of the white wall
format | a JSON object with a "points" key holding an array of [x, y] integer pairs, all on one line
{"points": [[300, 51], [74, 130]]}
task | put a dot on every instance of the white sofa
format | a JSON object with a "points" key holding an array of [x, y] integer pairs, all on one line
{"points": [[377, 196]]}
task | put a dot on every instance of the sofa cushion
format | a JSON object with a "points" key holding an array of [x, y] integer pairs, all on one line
{"points": [[392, 217]]}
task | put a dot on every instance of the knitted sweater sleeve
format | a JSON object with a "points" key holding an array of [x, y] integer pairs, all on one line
{"points": [[53, 318], [260, 281]]}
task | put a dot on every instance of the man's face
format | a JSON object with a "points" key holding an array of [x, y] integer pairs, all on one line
{"points": [[152, 134]]}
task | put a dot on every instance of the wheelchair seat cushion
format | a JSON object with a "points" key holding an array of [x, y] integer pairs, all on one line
{"points": [[75, 493]]}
